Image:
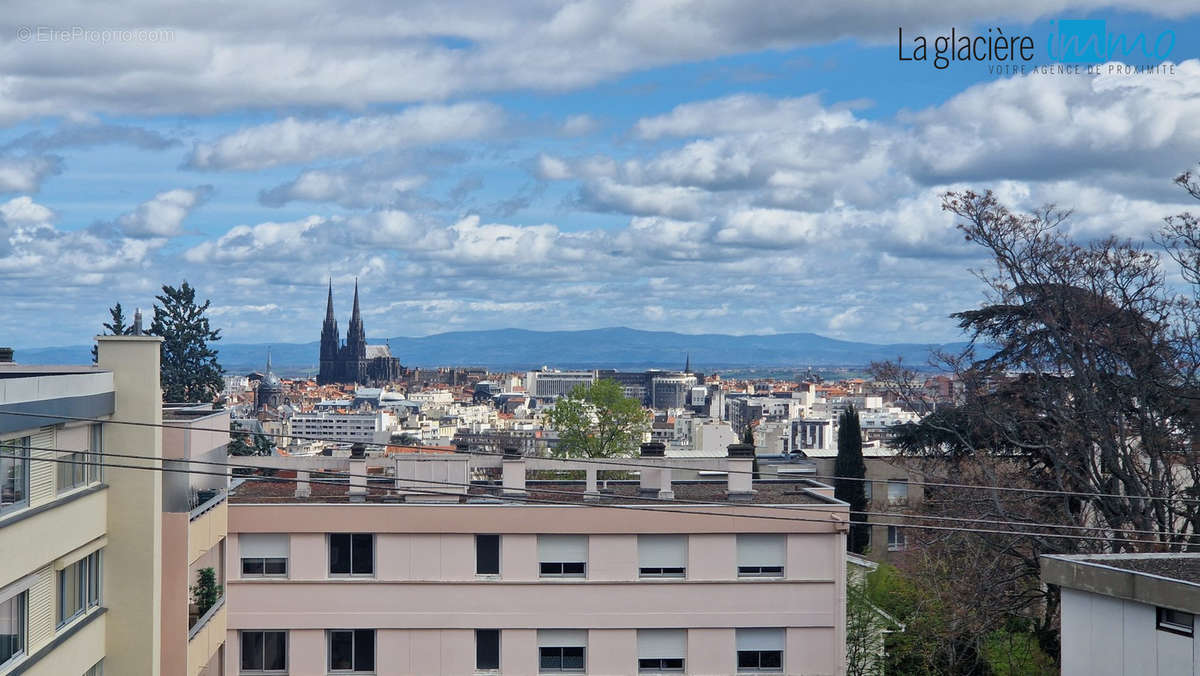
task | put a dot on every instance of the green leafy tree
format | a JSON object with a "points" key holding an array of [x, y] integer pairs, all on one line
{"points": [[206, 592], [115, 326], [849, 469], [598, 421], [190, 371], [241, 444]]}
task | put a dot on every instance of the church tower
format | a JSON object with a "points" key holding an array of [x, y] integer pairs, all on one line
{"points": [[331, 342], [355, 355]]}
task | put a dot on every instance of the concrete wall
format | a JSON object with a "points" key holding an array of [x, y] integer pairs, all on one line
{"points": [[1102, 635]]}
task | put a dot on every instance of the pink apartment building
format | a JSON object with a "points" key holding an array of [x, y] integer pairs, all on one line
{"points": [[417, 573]]}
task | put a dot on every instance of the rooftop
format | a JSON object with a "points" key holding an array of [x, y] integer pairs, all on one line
{"points": [[769, 492], [1184, 567], [1170, 580]]}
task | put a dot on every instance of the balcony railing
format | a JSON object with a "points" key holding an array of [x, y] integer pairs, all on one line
{"points": [[197, 624]]}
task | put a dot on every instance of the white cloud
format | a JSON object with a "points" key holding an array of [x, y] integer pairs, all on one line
{"points": [[294, 141], [26, 173], [163, 215]]}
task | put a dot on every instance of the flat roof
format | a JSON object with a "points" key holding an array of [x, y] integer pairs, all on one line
{"points": [[768, 492], [1170, 580], [11, 370]]}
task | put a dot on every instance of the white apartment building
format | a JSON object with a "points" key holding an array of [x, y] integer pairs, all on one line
{"points": [[366, 428], [550, 384]]}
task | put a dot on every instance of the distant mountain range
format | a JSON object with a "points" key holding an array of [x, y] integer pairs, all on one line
{"points": [[518, 349]]}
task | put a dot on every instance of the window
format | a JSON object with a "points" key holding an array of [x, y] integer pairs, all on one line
{"points": [[78, 588], [264, 651], [898, 492], [264, 554], [661, 650], [351, 554], [662, 555], [487, 554], [12, 626], [759, 650], [562, 650], [896, 541], [96, 670], [1176, 621], [562, 555], [487, 649], [867, 489], [761, 555], [14, 474], [352, 650]]}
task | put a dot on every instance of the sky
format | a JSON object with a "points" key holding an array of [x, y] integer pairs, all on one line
{"points": [[702, 167]]}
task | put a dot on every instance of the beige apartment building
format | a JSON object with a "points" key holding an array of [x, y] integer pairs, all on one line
{"points": [[97, 560], [417, 573]]}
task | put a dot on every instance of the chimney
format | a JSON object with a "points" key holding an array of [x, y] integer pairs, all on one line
{"points": [[739, 470], [358, 473], [655, 481], [136, 329], [513, 472], [6, 355]]}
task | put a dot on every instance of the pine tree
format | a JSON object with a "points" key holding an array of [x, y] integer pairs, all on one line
{"points": [[849, 469], [190, 371], [114, 327]]}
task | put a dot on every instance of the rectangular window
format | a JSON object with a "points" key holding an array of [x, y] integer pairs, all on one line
{"points": [[661, 650], [264, 554], [761, 555], [898, 493], [351, 554], [12, 627], [662, 555], [487, 649], [896, 541], [487, 554], [81, 467], [352, 650], [264, 652], [760, 650], [14, 474], [562, 555], [867, 489], [1176, 621], [78, 588], [96, 670], [562, 650], [96, 446]]}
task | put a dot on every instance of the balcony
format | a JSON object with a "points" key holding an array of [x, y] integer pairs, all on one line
{"points": [[205, 637], [208, 524]]}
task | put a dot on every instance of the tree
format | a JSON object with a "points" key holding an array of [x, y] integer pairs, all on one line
{"points": [[241, 444], [115, 326], [1081, 378], [206, 592], [190, 371], [849, 470], [597, 421]]}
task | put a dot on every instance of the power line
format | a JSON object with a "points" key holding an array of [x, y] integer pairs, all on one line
{"points": [[530, 500], [632, 464]]}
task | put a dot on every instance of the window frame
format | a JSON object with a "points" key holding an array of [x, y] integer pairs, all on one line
{"points": [[561, 657], [17, 445], [88, 588], [660, 669], [329, 547], [498, 651], [242, 654], [329, 633], [22, 602], [499, 563], [897, 501], [547, 569], [1163, 623], [897, 541], [759, 669], [664, 572]]}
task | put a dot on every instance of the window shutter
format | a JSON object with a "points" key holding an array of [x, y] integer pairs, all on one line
{"points": [[662, 644], [760, 639], [761, 550], [263, 545], [562, 638], [561, 548], [662, 551]]}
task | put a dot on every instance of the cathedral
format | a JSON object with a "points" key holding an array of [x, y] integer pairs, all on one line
{"points": [[354, 361]]}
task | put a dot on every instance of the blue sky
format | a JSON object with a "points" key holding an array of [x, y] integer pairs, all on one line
{"points": [[699, 167]]}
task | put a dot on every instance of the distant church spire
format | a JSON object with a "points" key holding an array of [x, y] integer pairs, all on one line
{"points": [[268, 359], [354, 316], [329, 305], [687, 363]]}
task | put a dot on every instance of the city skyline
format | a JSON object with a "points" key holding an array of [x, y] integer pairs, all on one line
{"points": [[698, 170]]}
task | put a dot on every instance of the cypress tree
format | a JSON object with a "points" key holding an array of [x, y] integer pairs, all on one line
{"points": [[190, 371], [115, 326], [851, 466]]}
